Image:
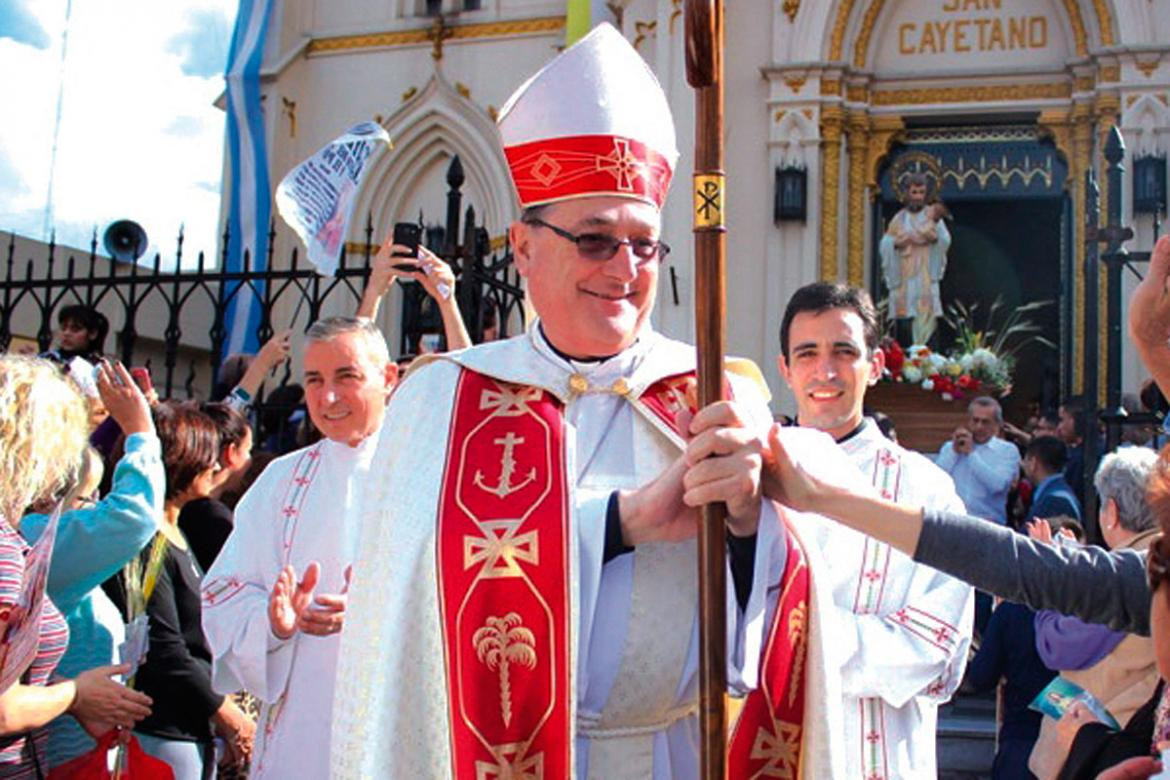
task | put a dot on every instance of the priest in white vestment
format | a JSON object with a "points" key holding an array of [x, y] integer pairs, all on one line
{"points": [[905, 628], [599, 397], [274, 600]]}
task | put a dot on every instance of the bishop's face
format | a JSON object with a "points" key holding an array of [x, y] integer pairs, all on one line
{"points": [[587, 307], [829, 367]]}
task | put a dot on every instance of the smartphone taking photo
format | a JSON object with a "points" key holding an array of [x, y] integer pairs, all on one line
{"points": [[407, 234]]}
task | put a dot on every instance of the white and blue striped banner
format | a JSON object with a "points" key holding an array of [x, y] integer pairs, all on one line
{"points": [[250, 206]]}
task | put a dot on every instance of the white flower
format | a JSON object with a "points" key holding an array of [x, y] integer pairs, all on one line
{"points": [[928, 384], [938, 363], [911, 373], [947, 397], [967, 361], [985, 357]]}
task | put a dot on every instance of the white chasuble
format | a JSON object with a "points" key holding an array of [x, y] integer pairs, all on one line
{"points": [[904, 628], [633, 621], [300, 510]]}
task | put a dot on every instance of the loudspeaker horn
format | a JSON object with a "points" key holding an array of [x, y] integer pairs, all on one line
{"points": [[125, 240]]}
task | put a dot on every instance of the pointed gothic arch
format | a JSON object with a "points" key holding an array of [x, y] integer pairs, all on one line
{"points": [[429, 129]]}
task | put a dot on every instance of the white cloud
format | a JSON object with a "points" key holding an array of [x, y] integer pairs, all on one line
{"points": [[139, 136]]}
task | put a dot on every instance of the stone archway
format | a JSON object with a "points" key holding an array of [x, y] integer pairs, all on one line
{"points": [[428, 130]]}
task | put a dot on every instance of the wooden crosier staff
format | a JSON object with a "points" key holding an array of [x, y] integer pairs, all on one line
{"points": [[704, 43]]}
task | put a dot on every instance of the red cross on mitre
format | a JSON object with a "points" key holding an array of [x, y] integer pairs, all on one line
{"points": [[886, 458], [873, 575], [942, 634]]}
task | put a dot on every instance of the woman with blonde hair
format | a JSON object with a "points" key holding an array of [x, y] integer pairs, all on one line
{"points": [[43, 432]]}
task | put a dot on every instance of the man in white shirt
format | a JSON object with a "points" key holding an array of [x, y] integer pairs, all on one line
{"points": [[905, 627], [983, 466], [274, 601]]}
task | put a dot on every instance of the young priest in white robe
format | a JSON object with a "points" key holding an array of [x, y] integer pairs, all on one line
{"points": [[274, 600], [905, 628], [524, 603]]}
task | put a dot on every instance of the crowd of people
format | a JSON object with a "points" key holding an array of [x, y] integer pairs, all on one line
{"points": [[487, 568]]}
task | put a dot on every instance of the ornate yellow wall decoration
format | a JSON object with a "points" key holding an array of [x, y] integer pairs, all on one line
{"points": [[546, 24], [831, 123], [983, 94]]}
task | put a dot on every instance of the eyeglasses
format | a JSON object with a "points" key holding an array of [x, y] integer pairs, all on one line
{"points": [[599, 246]]}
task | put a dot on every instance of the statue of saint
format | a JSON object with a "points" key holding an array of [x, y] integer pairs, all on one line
{"points": [[914, 259]]}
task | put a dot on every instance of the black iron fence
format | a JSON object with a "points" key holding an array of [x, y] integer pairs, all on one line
{"points": [[488, 293]]}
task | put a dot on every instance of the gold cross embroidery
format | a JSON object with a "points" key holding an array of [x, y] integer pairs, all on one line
{"points": [[623, 164], [500, 548], [779, 750], [509, 401], [517, 767]]}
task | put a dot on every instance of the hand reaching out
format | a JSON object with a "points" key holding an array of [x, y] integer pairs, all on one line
{"points": [[1040, 530], [293, 606], [103, 703], [275, 351], [290, 598], [122, 398], [434, 274], [326, 614], [724, 461], [1149, 306]]}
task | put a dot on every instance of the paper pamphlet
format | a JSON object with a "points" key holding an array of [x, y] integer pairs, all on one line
{"points": [[316, 198], [1060, 695]]}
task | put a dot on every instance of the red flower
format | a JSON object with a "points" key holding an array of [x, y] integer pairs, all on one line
{"points": [[895, 357]]}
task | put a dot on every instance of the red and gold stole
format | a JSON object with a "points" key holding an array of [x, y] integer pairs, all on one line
{"points": [[503, 562], [766, 741]]}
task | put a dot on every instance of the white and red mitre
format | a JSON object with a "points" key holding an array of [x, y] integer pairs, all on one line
{"points": [[592, 122]]}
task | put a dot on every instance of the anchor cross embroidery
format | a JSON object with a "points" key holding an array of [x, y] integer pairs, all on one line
{"points": [[504, 487]]}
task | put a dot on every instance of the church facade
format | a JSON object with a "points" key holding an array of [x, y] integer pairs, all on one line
{"points": [[1003, 104]]}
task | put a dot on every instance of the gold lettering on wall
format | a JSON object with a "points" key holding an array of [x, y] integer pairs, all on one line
{"points": [[977, 34]]}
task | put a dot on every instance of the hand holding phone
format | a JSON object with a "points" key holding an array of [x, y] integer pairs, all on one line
{"points": [[407, 234]]}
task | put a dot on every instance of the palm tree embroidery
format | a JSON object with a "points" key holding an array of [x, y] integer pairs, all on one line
{"points": [[502, 641]]}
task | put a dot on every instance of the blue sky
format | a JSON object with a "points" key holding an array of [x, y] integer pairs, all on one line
{"points": [[139, 137]]}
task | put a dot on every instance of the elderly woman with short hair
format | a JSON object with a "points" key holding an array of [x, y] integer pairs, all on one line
{"points": [[1116, 667], [43, 429]]}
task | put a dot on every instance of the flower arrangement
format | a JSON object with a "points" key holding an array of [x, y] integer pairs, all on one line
{"points": [[981, 360]]}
